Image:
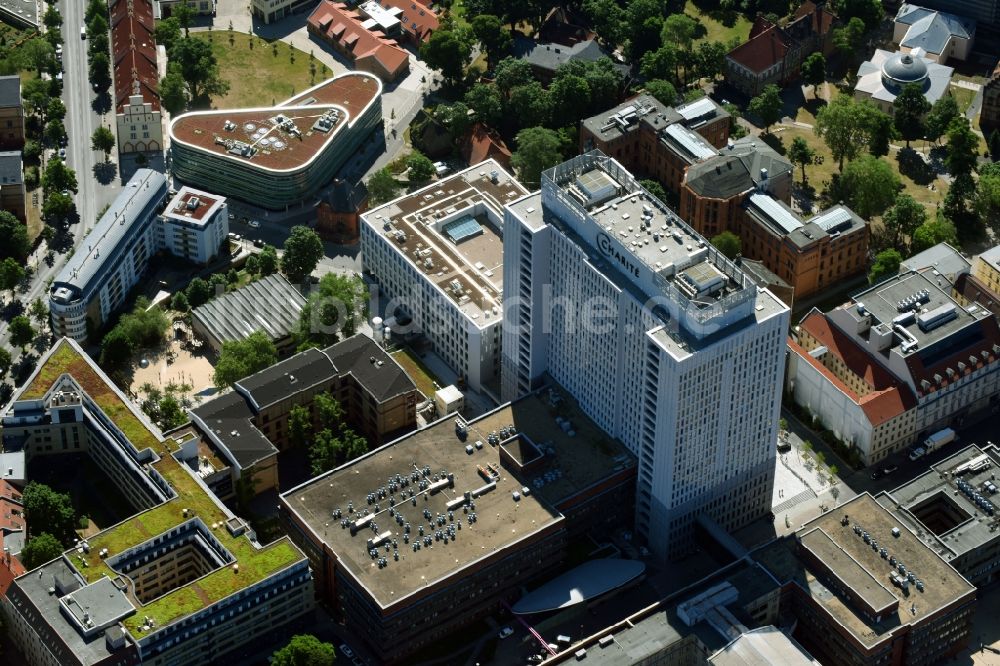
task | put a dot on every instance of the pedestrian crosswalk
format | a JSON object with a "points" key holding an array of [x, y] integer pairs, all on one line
{"points": [[806, 494]]}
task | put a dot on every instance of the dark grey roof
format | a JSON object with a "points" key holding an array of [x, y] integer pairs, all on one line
{"points": [[10, 168], [383, 378], [761, 274], [10, 91], [270, 304], [286, 378], [942, 258], [30, 595], [346, 197], [737, 169], [550, 56], [227, 420]]}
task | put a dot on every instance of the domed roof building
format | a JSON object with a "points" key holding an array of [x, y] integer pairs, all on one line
{"points": [[883, 77]]}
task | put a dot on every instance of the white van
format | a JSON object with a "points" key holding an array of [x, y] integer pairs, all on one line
{"points": [[83, 32]]}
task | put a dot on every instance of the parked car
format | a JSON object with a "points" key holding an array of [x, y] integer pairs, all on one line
{"points": [[257, 242], [348, 652], [254, 224], [505, 632]]}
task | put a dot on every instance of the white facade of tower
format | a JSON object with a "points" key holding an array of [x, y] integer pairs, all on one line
{"points": [[664, 342]]}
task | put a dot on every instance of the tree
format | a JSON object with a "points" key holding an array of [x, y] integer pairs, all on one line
{"points": [[382, 186], [5, 361], [986, 202], [454, 118], [570, 98], [932, 232], [39, 312], [727, 243], [849, 40], [100, 71], [710, 59], [994, 145], [116, 349], [909, 109], [447, 51], [869, 12], [180, 302], [103, 139], [21, 331], [846, 127], [39, 550], [486, 104], [496, 41], [643, 26], [300, 426], [654, 188], [904, 217], [58, 178], [325, 451], [679, 29], [942, 113], [15, 237], [663, 90], [52, 19], [886, 265], [538, 149], [173, 91], [303, 250], [268, 260], [662, 63], [47, 511], [32, 150], [252, 265], [55, 109], [869, 185], [881, 129], [168, 32], [957, 208], [814, 70], [530, 105], [198, 292], [242, 358], [736, 130], [607, 18], [332, 310], [354, 444], [420, 169], [11, 274], [184, 14], [511, 73], [55, 132], [963, 147], [767, 106], [35, 54], [35, 95], [801, 154], [199, 68]]}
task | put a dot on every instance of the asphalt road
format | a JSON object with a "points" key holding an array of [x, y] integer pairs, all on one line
{"points": [[81, 120]]}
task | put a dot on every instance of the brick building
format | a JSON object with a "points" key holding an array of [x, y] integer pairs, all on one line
{"points": [[775, 52], [11, 113], [359, 39], [248, 426], [656, 141], [12, 194], [338, 215]]}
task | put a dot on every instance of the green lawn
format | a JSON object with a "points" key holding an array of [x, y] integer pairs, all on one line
{"points": [[963, 97], [425, 380], [807, 112], [256, 76], [457, 13], [720, 26], [819, 174], [254, 563]]}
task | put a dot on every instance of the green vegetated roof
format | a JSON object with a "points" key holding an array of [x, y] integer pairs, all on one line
{"points": [[255, 564]]}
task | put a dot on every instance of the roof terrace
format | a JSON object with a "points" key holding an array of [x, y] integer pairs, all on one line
{"points": [[450, 230]]}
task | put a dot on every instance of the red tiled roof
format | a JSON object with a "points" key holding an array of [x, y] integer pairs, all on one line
{"points": [[134, 52], [484, 143], [888, 398], [417, 19], [355, 38], [762, 51], [822, 18]]}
